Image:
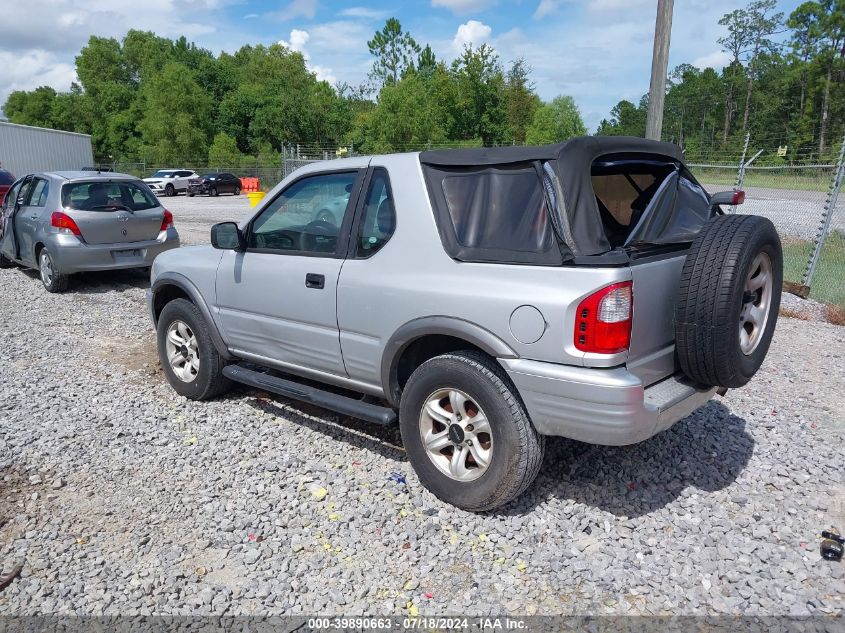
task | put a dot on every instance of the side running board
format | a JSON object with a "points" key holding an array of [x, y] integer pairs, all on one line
{"points": [[326, 399]]}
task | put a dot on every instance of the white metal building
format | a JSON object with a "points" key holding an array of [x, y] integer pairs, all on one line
{"points": [[25, 149]]}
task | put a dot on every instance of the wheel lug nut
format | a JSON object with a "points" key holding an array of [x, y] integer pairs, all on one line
{"points": [[459, 417], [469, 427], [469, 442]]}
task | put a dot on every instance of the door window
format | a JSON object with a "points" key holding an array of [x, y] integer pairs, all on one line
{"points": [[38, 193], [306, 217], [379, 219], [12, 195]]}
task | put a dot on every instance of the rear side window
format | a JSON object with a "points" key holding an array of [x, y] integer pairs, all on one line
{"points": [[493, 214], [107, 196], [379, 220]]}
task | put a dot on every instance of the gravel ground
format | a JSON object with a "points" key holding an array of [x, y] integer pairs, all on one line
{"points": [[121, 497]]}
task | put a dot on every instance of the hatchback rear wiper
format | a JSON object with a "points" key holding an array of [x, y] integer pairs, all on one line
{"points": [[112, 206]]}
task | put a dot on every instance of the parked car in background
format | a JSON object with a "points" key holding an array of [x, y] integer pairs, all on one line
{"points": [[6, 181], [331, 210], [214, 184], [170, 181], [68, 222]]}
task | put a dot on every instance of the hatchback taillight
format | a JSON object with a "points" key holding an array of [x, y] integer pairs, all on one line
{"points": [[64, 223], [603, 321], [167, 220]]}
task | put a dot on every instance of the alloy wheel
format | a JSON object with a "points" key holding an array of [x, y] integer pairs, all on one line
{"points": [[456, 434], [757, 302], [182, 351]]}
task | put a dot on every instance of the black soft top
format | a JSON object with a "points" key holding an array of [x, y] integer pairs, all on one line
{"points": [[572, 161], [578, 150]]}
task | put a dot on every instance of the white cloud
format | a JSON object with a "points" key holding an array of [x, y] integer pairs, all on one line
{"points": [[463, 6], [27, 71], [472, 33], [546, 7], [364, 13], [716, 60], [298, 40], [297, 9], [250, 16]]}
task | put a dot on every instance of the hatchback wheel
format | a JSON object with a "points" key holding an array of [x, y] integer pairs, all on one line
{"points": [[466, 432], [53, 280], [187, 354]]}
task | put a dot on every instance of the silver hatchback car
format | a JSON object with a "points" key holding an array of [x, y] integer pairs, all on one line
{"points": [[69, 222]]}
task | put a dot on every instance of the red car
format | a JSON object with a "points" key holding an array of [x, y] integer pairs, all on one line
{"points": [[6, 181]]}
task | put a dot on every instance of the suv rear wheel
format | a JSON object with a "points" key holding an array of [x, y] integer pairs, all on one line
{"points": [[467, 433], [169, 190], [190, 361]]}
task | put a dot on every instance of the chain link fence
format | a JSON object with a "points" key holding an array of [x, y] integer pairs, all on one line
{"points": [[797, 193], [801, 201]]}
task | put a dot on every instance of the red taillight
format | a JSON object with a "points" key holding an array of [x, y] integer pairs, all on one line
{"points": [[603, 321], [167, 220], [738, 198], [64, 223]]}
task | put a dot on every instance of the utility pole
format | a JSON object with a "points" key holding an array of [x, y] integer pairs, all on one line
{"points": [[659, 66]]}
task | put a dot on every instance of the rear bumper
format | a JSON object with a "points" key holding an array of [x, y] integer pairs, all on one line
{"points": [[601, 406], [72, 255]]}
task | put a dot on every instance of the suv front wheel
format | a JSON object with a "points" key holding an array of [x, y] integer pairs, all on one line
{"points": [[466, 432], [187, 354]]}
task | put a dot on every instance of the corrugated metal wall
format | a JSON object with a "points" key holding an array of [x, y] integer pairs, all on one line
{"points": [[25, 149]]}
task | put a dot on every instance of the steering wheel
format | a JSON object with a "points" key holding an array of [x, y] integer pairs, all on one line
{"points": [[317, 228]]}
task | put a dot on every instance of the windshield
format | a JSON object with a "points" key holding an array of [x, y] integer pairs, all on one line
{"points": [[163, 174], [108, 196]]}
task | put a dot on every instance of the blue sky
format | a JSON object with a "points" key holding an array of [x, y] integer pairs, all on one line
{"points": [[598, 51]]}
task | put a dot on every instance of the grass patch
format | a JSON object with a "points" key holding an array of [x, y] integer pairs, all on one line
{"points": [[828, 284], [786, 178]]}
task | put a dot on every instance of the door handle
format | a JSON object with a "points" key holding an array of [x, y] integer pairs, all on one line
{"points": [[33, 217], [313, 280]]}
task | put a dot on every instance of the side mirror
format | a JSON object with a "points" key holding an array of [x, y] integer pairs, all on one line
{"points": [[228, 237], [727, 197]]}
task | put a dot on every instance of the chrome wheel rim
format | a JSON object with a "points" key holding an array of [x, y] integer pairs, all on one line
{"points": [[456, 434], [45, 267], [182, 351], [756, 303]]}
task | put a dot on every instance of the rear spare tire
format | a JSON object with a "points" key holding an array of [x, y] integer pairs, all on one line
{"points": [[728, 300]]}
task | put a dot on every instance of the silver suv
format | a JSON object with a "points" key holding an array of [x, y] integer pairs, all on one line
{"points": [[482, 299]]}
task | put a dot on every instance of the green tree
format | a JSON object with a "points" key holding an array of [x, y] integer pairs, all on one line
{"points": [[626, 119], [175, 124], [394, 50], [521, 102], [406, 118], [224, 151], [749, 35], [555, 121], [31, 108], [478, 109], [426, 62]]}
